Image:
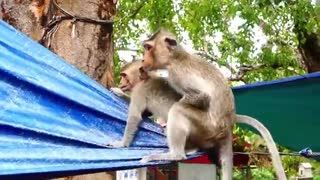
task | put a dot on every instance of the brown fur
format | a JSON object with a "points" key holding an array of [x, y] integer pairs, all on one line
{"points": [[195, 139], [221, 114], [196, 80]]}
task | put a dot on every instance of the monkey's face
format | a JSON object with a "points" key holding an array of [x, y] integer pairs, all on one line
{"points": [[125, 84], [158, 52], [131, 77]]}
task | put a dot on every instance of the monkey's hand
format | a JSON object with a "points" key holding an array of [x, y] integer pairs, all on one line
{"points": [[117, 91], [120, 93], [118, 144], [163, 157]]}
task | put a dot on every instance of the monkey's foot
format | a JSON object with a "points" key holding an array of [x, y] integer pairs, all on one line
{"points": [[191, 151], [163, 157], [117, 144]]}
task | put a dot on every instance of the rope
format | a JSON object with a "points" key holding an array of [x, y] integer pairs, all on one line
{"points": [[53, 25], [266, 153], [306, 152]]}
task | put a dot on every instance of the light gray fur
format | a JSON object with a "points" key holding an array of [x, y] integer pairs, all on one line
{"points": [[154, 95], [193, 78]]}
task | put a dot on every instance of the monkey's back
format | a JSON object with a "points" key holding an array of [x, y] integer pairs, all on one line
{"points": [[187, 72]]}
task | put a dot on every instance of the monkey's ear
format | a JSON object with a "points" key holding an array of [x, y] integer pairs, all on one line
{"points": [[171, 43]]}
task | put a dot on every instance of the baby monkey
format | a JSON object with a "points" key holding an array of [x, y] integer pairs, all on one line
{"points": [[147, 93], [130, 76], [196, 80], [155, 94]]}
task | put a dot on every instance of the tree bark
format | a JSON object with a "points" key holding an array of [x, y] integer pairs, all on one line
{"points": [[310, 52], [310, 49], [90, 50], [91, 47], [18, 14]]}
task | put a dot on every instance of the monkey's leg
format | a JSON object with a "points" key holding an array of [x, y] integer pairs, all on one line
{"points": [[191, 147], [226, 157], [177, 132]]}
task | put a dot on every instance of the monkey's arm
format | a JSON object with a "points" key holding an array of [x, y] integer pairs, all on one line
{"points": [[196, 98], [136, 108]]}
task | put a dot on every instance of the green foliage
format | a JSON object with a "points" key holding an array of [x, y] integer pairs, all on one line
{"points": [[265, 170], [238, 174], [116, 65], [280, 26], [262, 173], [137, 17], [257, 173]]}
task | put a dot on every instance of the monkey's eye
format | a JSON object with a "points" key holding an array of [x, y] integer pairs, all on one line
{"points": [[147, 46]]}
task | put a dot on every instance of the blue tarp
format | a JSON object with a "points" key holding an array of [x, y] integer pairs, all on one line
{"points": [[54, 120]]}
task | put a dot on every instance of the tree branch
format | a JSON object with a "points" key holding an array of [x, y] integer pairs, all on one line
{"points": [[126, 49], [135, 12], [239, 76], [236, 75], [213, 59]]}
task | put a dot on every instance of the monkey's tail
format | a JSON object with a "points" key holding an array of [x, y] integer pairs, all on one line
{"points": [[276, 160]]}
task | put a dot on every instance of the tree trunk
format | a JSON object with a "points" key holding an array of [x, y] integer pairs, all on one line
{"points": [[18, 14], [310, 52], [89, 49], [310, 49]]}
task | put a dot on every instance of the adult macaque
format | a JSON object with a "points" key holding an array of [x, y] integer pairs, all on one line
{"points": [[196, 80], [158, 94]]}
